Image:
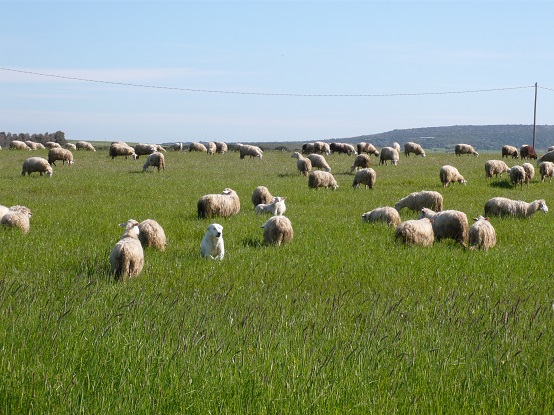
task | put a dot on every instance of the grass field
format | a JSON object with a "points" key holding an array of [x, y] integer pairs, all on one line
{"points": [[341, 320]]}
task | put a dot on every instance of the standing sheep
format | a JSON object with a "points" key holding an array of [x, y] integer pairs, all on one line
{"points": [[411, 147], [52, 144], [418, 200], [303, 164], [389, 154], [220, 147], [127, 256], [415, 232], [495, 167], [277, 230], [69, 146], [460, 149], [211, 148], [156, 159], [195, 146], [450, 174], [224, 205], [501, 206], [451, 224], [121, 149], [261, 195], [308, 148], [368, 148], [19, 145], [320, 178], [517, 175], [546, 168], [546, 157], [344, 148], [36, 164], [362, 161], [482, 234], [527, 151], [151, 234], [319, 161], [58, 153], [508, 151], [249, 150], [383, 214], [277, 207], [396, 146], [144, 149], [17, 217], [177, 147], [367, 177], [321, 147], [84, 145], [32, 145], [529, 172]]}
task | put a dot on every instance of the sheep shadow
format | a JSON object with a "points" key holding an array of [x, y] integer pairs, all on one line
{"points": [[253, 243], [501, 184]]}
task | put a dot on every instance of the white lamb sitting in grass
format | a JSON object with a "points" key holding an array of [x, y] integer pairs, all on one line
{"points": [[212, 245]]}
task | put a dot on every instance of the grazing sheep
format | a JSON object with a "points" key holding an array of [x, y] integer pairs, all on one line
{"points": [[396, 146], [261, 195], [495, 167], [276, 207], [389, 154], [220, 147], [527, 151], [195, 146], [17, 217], [415, 232], [248, 150], [19, 145], [211, 148], [321, 147], [308, 148], [32, 145], [177, 147], [344, 148], [278, 230], [320, 178], [151, 234], [529, 172], [144, 149], [517, 175], [465, 149], [482, 234], [36, 164], [319, 161], [84, 145], [127, 256], [418, 200], [362, 161], [212, 245], [546, 168], [546, 157], [367, 177], [160, 148], [52, 144], [451, 224], [411, 147], [156, 159], [501, 206], [368, 148], [383, 214], [122, 149], [58, 153], [303, 164], [69, 146], [224, 205], [450, 174], [510, 151]]}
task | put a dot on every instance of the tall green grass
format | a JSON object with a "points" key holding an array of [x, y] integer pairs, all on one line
{"points": [[342, 319]]}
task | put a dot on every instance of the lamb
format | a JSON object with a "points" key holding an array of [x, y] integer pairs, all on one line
{"points": [[510, 151], [36, 164], [261, 195], [411, 147], [389, 154], [361, 161], [276, 207], [368, 148], [451, 224], [278, 230], [482, 234], [19, 145], [224, 205], [529, 172], [495, 167], [527, 151], [58, 153], [220, 147], [319, 161], [416, 232], [151, 234], [212, 245], [460, 149], [84, 145], [501, 206], [517, 175], [418, 200], [320, 178], [156, 159], [195, 146], [122, 149], [303, 164], [248, 150], [383, 214], [546, 157], [144, 149], [127, 256], [17, 217], [69, 146], [367, 177], [211, 148], [52, 144], [546, 169], [450, 174]]}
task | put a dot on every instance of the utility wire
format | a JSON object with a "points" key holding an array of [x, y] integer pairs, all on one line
{"points": [[261, 93]]}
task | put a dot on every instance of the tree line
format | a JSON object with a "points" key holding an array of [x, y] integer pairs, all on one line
{"points": [[7, 138]]}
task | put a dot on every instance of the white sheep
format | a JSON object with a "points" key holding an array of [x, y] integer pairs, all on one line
{"points": [[84, 145], [396, 146], [383, 214], [277, 230], [221, 147], [19, 145], [460, 149], [549, 149], [320, 178], [277, 207], [69, 146], [318, 161], [416, 201], [127, 256], [389, 154], [517, 175], [195, 146], [224, 205], [212, 245], [211, 148], [367, 177], [261, 195], [17, 217], [52, 144], [58, 153], [451, 224], [450, 174], [321, 147], [546, 157], [501, 206], [177, 147], [495, 167], [529, 172], [411, 147], [121, 149], [510, 151], [343, 148], [249, 150], [145, 149], [368, 148], [36, 164], [546, 168], [156, 159], [415, 232], [482, 234], [362, 161], [3, 210], [303, 164], [151, 234], [32, 145]]}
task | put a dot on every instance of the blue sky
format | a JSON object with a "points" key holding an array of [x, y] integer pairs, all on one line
{"points": [[271, 70]]}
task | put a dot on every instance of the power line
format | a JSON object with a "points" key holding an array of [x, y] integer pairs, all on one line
{"points": [[213, 91]]}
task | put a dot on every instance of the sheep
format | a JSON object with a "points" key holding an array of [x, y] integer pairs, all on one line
{"points": [[31, 144], [308, 148], [510, 151], [277, 230], [527, 151], [84, 145], [3, 210], [211, 148], [460, 149], [195, 146], [122, 149], [368, 148], [411, 147], [549, 149], [451, 224], [160, 148], [144, 149], [517, 175], [361, 161], [261, 195], [396, 146], [546, 168], [389, 154], [156, 159], [320, 178], [248, 150], [220, 147], [70, 146], [495, 167], [212, 245], [501, 206], [177, 147], [17, 217], [529, 172], [62, 154], [342, 148], [383, 214], [450, 174], [224, 205], [19, 145], [151, 234], [546, 157], [36, 164], [318, 161], [416, 232], [321, 147], [366, 176], [52, 144], [277, 207], [481, 234], [127, 256], [416, 201], [303, 164]]}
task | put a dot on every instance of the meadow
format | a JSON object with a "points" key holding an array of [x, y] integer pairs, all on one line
{"points": [[341, 320]]}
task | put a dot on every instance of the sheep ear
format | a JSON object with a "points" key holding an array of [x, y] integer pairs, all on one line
{"points": [[475, 219], [487, 219]]}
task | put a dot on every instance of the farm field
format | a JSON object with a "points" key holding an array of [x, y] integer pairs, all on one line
{"points": [[343, 319]]}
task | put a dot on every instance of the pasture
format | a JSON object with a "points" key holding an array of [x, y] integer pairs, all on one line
{"points": [[341, 320]]}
